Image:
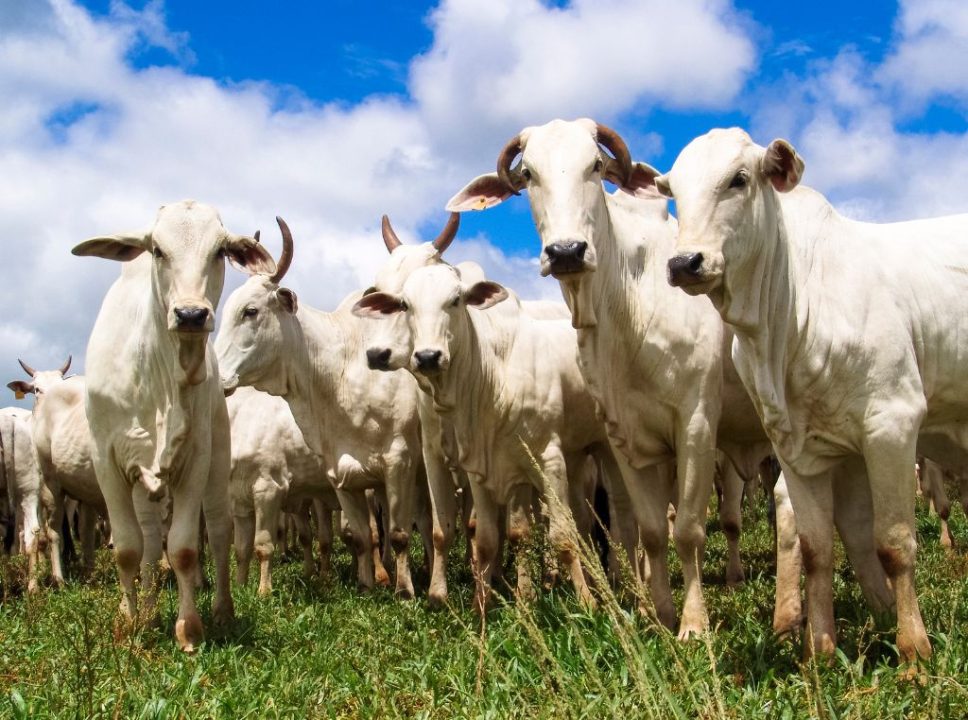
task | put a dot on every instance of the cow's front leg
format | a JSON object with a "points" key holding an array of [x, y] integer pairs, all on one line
{"points": [[568, 485], [356, 515], [183, 554], [400, 489], [519, 511], [267, 497], [485, 545], [218, 523]]}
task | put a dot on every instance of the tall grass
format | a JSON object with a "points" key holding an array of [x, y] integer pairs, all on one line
{"points": [[318, 649]]}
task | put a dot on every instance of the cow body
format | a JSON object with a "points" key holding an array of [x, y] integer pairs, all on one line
{"points": [[852, 339], [273, 471], [22, 485], [363, 424], [155, 406]]}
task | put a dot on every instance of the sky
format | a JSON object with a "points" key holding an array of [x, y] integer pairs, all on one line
{"points": [[333, 113]]}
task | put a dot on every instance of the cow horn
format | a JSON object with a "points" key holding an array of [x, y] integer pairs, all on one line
{"points": [[257, 236], [67, 365], [390, 238], [285, 260], [27, 369], [612, 142], [448, 234], [504, 160]]}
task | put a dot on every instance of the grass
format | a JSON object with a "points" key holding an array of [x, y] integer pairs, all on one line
{"points": [[319, 649]]}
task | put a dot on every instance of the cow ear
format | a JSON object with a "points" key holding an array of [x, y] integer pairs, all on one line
{"points": [[20, 388], [287, 298], [377, 305], [484, 294], [663, 186], [248, 255], [481, 193], [782, 166], [113, 247], [641, 183]]}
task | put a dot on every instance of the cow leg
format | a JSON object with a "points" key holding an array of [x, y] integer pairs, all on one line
{"points": [[443, 509], [126, 532], [485, 546], [889, 454], [356, 515], [649, 490], [624, 531], [183, 555], [86, 525], [518, 533], [853, 518], [695, 467], [55, 524], [400, 490], [305, 534], [377, 502], [568, 481], [244, 545], [787, 611], [932, 484], [218, 522], [31, 533], [324, 536], [731, 520], [812, 500], [422, 519], [267, 497]]}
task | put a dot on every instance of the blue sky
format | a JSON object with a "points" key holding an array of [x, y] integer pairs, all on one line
{"points": [[333, 113]]}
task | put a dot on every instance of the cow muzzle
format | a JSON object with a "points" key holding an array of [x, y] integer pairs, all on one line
{"points": [[566, 257], [429, 362], [378, 358], [193, 319]]}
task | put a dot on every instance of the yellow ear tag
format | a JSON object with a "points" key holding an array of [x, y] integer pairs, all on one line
{"points": [[19, 395], [482, 203]]}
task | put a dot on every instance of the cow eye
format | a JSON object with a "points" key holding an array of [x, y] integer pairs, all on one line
{"points": [[598, 166], [404, 306], [158, 253], [526, 174], [250, 312], [220, 254], [739, 180], [455, 302]]}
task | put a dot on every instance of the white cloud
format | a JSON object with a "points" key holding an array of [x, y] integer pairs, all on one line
{"points": [[89, 144]]}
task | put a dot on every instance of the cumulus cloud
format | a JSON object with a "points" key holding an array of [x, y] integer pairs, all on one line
{"points": [[91, 144]]}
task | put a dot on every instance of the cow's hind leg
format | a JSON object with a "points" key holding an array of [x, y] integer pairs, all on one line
{"points": [[218, 522]]}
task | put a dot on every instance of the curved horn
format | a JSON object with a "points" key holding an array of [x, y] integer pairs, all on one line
{"points": [[448, 234], [615, 145], [27, 369], [285, 260], [504, 160], [257, 235], [66, 366], [390, 238]]}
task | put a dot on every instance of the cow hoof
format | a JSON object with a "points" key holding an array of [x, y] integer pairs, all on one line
{"points": [[437, 599], [188, 632], [690, 631], [404, 593], [735, 579], [382, 578], [223, 614]]}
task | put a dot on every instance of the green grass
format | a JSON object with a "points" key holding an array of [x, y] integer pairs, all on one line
{"points": [[322, 650]]}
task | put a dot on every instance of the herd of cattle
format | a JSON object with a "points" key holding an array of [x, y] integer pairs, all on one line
{"points": [[437, 398]]}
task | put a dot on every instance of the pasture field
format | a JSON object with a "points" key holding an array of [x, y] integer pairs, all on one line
{"points": [[318, 649]]}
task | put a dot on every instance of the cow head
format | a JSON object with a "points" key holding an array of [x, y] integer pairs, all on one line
{"points": [[725, 189], [40, 382], [562, 166], [188, 246], [386, 349], [434, 302], [256, 320]]}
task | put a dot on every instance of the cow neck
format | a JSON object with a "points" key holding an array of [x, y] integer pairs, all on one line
{"points": [[764, 319]]}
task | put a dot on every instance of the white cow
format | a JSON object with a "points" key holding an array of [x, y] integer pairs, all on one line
{"points": [[273, 471], [363, 424], [931, 480], [62, 437], [510, 387], [852, 339], [155, 406], [653, 358], [22, 486]]}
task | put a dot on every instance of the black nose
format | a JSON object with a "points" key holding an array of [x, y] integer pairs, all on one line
{"points": [[378, 359], [685, 269], [566, 257], [191, 317], [428, 359]]}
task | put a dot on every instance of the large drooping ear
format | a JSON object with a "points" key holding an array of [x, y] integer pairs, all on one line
{"points": [[377, 305], [287, 298], [485, 294], [641, 182], [248, 255], [114, 247], [782, 165], [20, 388], [481, 193]]}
